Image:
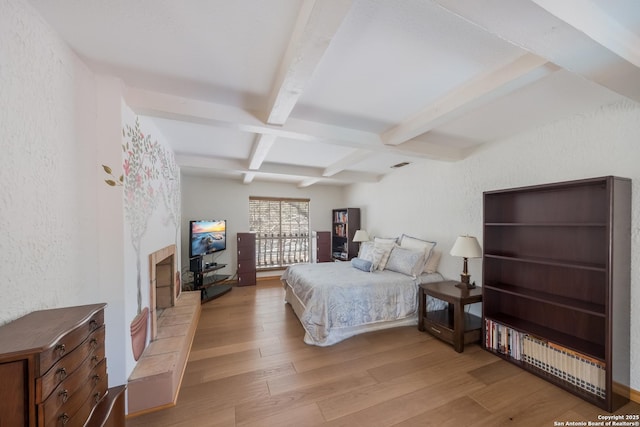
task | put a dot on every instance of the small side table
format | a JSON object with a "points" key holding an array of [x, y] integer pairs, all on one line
{"points": [[452, 324]]}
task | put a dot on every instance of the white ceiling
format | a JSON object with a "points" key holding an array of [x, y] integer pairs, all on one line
{"points": [[338, 91]]}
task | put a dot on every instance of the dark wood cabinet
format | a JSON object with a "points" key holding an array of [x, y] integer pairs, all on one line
{"points": [[556, 274], [345, 224], [54, 370], [323, 246], [246, 259]]}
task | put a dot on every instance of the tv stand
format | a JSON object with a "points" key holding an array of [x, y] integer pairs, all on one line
{"points": [[209, 285]]}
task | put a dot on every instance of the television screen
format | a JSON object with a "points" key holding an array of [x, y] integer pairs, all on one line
{"points": [[207, 237]]}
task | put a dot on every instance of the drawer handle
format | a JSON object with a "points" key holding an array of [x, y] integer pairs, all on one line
{"points": [[62, 373], [96, 397], [64, 394], [94, 359], [93, 343], [437, 331], [93, 324], [61, 349], [64, 418], [96, 379]]}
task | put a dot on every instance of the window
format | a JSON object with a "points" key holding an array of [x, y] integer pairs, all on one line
{"points": [[282, 231]]}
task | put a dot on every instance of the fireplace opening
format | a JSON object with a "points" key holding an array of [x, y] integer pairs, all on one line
{"points": [[164, 286]]}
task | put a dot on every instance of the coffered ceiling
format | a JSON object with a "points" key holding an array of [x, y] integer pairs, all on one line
{"points": [[338, 91]]}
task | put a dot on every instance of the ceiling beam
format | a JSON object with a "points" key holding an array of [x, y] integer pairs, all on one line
{"points": [[260, 150], [605, 62], [317, 23], [437, 151], [346, 161], [248, 177], [597, 24], [155, 104], [237, 166], [441, 110], [308, 182]]}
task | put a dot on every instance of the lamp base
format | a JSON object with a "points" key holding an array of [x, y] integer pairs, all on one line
{"points": [[465, 282], [465, 285]]}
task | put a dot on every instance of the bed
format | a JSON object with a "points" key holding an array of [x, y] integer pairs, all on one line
{"points": [[336, 300]]}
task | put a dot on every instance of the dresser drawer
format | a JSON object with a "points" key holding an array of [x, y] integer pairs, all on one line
{"points": [[63, 404], [246, 246], [438, 330], [79, 419], [69, 363], [247, 253], [88, 371], [69, 341], [246, 266], [247, 279]]}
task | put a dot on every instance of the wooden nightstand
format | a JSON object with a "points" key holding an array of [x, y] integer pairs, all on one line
{"points": [[452, 324]]}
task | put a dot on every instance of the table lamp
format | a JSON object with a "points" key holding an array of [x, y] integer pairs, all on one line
{"points": [[466, 247], [361, 236]]}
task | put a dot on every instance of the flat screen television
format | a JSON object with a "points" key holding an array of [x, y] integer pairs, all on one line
{"points": [[207, 236]]}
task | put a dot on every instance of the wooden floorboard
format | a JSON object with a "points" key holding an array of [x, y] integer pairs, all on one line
{"points": [[249, 367]]}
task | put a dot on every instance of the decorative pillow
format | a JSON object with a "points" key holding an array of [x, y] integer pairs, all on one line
{"points": [[385, 239], [427, 246], [377, 254], [362, 264], [386, 246], [432, 263], [366, 251], [406, 261]]}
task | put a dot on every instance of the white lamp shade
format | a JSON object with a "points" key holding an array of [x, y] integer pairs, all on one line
{"points": [[467, 247], [361, 236]]}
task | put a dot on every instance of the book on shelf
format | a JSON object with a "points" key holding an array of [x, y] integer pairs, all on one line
{"points": [[503, 339], [580, 370], [340, 216]]}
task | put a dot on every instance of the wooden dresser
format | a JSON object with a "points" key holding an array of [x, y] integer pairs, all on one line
{"points": [[246, 259], [54, 370]]}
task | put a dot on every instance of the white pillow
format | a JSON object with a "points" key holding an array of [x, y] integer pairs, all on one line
{"points": [[377, 255], [384, 246], [427, 246], [385, 239], [406, 261], [366, 251]]}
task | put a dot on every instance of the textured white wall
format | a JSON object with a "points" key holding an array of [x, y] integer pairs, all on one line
{"points": [[440, 200], [63, 235], [110, 225], [47, 203]]}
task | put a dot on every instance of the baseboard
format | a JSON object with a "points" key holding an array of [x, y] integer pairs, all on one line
{"points": [[623, 390], [265, 278]]}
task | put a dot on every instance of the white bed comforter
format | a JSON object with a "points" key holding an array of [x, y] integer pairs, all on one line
{"points": [[339, 297]]}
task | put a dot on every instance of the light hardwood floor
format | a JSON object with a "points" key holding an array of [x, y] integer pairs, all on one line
{"points": [[249, 367]]}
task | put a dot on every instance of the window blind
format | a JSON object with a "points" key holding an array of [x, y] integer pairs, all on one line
{"points": [[282, 231]]}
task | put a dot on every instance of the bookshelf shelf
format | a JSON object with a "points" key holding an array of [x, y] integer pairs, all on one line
{"points": [[556, 273], [568, 303]]}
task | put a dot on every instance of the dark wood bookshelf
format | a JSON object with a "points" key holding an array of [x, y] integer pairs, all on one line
{"points": [[345, 222], [556, 266]]}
